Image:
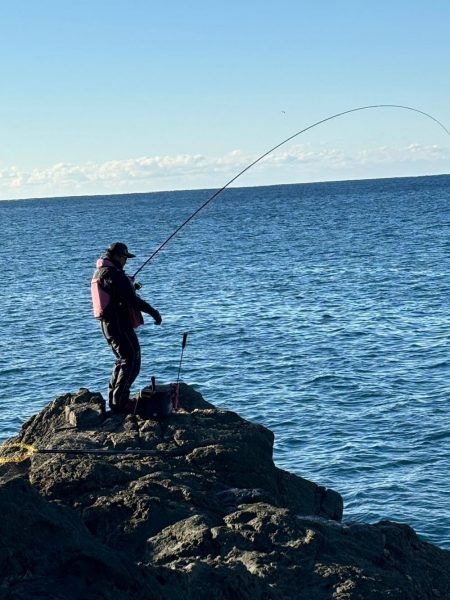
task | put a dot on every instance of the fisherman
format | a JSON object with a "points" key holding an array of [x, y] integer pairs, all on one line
{"points": [[119, 309]]}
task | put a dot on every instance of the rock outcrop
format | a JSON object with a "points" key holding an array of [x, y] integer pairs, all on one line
{"points": [[192, 507]]}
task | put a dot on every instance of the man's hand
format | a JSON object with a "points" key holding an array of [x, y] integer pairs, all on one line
{"points": [[157, 317]]}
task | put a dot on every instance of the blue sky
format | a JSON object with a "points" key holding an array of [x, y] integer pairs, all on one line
{"points": [[107, 96]]}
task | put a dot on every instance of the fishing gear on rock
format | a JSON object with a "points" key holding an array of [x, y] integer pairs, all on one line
{"points": [[18, 452], [288, 139]]}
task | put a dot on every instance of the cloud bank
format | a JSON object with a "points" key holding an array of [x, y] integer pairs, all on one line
{"points": [[299, 163]]}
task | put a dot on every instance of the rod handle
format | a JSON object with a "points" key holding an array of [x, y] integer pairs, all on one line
{"points": [[153, 383]]}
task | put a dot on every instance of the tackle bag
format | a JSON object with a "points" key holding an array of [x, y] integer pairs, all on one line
{"points": [[157, 401]]}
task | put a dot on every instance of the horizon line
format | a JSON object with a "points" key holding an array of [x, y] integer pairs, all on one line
{"points": [[204, 189]]}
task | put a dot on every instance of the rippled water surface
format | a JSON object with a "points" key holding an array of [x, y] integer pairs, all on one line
{"points": [[320, 311]]}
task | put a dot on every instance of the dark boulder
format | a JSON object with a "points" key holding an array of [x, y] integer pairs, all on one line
{"points": [[189, 507]]}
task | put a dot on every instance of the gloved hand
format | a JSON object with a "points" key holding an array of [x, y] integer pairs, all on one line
{"points": [[157, 317]]}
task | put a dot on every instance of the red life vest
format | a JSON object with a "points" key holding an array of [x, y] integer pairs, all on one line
{"points": [[101, 298]]}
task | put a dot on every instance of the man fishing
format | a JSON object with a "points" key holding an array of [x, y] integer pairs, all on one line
{"points": [[119, 309], [114, 293]]}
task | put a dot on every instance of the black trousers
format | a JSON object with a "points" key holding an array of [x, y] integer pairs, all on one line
{"points": [[125, 345]]}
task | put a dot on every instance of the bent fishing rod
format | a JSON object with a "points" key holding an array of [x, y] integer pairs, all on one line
{"points": [[288, 139]]}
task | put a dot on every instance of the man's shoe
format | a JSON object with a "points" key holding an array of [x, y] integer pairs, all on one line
{"points": [[128, 407]]}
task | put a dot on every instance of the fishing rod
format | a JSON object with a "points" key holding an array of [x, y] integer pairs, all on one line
{"points": [[288, 139], [18, 452]]}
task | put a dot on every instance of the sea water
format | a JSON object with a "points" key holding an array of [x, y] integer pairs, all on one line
{"points": [[320, 311]]}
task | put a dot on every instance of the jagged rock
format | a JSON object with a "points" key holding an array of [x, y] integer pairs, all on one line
{"points": [[84, 416], [189, 507], [47, 552]]}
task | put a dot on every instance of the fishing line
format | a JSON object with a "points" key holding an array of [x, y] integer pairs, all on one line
{"points": [[288, 139]]}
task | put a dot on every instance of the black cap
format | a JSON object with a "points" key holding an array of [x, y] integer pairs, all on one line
{"points": [[120, 249]]}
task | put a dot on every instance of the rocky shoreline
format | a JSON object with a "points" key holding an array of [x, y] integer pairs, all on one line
{"points": [[192, 507]]}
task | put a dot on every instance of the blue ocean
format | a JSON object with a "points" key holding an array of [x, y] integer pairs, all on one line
{"points": [[318, 310]]}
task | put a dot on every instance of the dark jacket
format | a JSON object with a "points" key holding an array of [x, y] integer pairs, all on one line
{"points": [[119, 286]]}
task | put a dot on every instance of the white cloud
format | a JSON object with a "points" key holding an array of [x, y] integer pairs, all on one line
{"points": [[294, 164]]}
